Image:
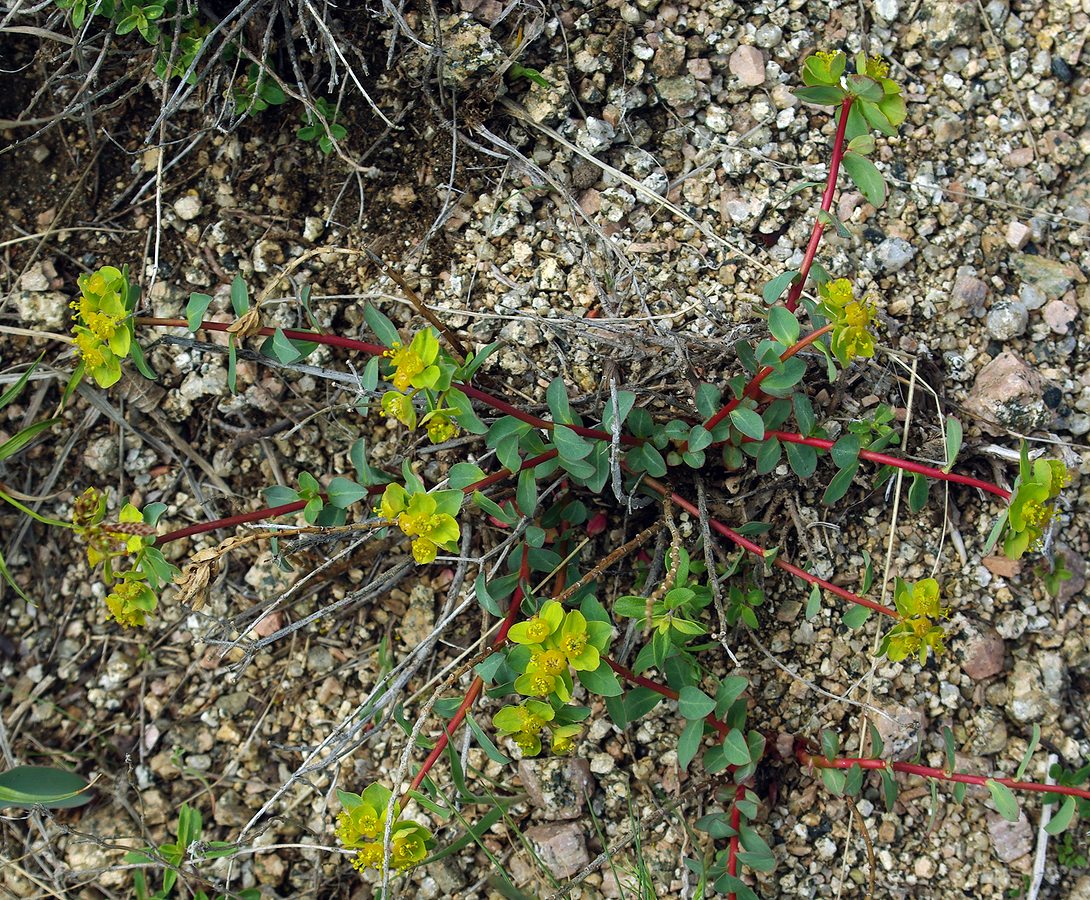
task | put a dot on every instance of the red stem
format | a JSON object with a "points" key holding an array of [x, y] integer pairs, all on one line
{"points": [[826, 204], [820, 762], [478, 683], [735, 823], [271, 512], [754, 386], [931, 472], [504, 407], [651, 684], [758, 550]]}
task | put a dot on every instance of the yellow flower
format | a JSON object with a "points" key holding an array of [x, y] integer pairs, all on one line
{"points": [[918, 605], [441, 428], [419, 516], [827, 55], [400, 406], [131, 600], [563, 738], [414, 365], [876, 67], [851, 320]]}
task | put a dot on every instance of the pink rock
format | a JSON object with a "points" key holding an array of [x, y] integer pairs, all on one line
{"points": [[748, 63], [1018, 235], [1059, 314], [1008, 394], [700, 69], [556, 785], [1010, 840], [982, 650], [561, 847]]}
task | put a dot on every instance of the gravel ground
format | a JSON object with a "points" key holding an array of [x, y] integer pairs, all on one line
{"points": [[542, 225]]}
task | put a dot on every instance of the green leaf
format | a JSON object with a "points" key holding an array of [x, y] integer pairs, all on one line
{"points": [[464, 474], [821, 95], [953, 442], [748, 422], [5, 573], [735, 748], [889, 788], [845, 451], [526, 493], [490, 749], [699, 438], [802, 459], [688, 743], [343, 492], [569, 444], [839, 484], [464, 415], [139, 360], [828, 219], [997, 530], [16, 442], [708, 398], [855, 617], [876, 743], [917, 493], [865, 88], [729, 690], [835, 780], [601, 681], [1004, 799], [768, 457], [27, 786], [279, 495], [557, 397], [813, 603], [1035, 737], [783, 325], [1063, 818], [862, 144], [280, 348], [693, 703], [625, 401], [240, 296], [949, 749], [382, 327], [866, 177], [195, 309], [774, 288]]}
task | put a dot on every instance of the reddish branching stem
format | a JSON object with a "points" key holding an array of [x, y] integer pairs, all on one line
{"points": [[754, 387], [735, 823], [506, 408], [757, 550], [883, 459], [651, 684], [806, 758], [271, 512], [826, 205], [478, 683]]}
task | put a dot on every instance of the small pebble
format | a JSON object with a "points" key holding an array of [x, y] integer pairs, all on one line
{"points": [[769, 36], [1007, 320], [748, 63], [1018, 235], [188, 207]]}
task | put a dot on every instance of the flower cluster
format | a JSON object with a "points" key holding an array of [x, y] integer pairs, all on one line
{"points": [[420, 367], [101, 331], [1033, 504], [525, 722], [556, 641], [876, 98], [362, 823], [429, 519], [916, 633], [133, 595], [851, 320]]}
